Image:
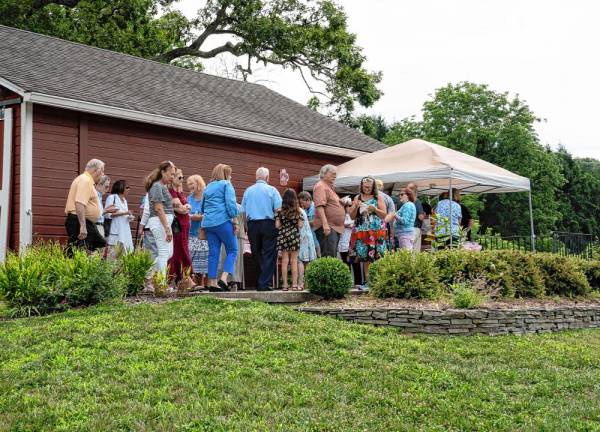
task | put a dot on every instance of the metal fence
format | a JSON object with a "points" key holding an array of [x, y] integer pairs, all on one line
{"points": [[562, 243]]}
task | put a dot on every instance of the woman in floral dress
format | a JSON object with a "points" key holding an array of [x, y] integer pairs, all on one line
{"points": [[368, 241]]}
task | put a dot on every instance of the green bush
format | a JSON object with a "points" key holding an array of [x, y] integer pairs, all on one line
{"points": [[512, 273], [42, 280], [465, 296], [135, 268], [592, 250], [461, 265], [523, 274], [562, 275], [591, 270], [85, 279], [23, 282], [328, 277], [405, 274]]}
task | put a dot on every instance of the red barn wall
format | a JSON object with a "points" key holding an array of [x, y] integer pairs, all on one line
{"points": [[64, 140]]}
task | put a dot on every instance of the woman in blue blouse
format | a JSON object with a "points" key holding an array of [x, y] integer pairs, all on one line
{"points": [[405, 219], [218, 209]]}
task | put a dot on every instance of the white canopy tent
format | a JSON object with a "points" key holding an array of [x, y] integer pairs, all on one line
{"points": [[433, 168]]}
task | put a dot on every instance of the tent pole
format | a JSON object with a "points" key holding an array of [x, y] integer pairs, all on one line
{"points": [[450, 198], [531, 222]]}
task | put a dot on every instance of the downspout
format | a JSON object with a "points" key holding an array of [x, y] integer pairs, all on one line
{"points": [[6, 181], [26, 174]]}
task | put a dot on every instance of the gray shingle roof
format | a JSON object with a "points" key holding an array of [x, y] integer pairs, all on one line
{"points": [[51, 66]]}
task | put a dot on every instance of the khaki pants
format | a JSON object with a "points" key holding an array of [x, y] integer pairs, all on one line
{"points": [[417, 240]]}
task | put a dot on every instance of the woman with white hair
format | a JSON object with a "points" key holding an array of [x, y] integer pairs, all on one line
{"points": [[198, 245]]}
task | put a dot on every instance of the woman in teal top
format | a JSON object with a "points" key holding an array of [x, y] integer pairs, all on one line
{"points": [[405, 219]]}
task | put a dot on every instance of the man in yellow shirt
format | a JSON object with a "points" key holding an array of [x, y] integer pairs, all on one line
{"points": [[83, 208]]}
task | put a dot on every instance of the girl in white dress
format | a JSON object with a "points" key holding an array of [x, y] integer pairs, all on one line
{"points": [[120, 232]]}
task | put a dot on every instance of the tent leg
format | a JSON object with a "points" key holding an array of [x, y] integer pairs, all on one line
{"points": [[450, 198], [531, 222]]}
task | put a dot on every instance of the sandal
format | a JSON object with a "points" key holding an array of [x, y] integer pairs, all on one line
{"points": [[295, 288], [284, 288]]}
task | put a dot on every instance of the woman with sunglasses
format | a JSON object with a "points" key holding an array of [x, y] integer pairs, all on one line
{"points": [[405, 219], [119, 236], [368, 241], [180, 262]]}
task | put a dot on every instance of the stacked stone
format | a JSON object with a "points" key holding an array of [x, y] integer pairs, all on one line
{"points": [[469, 322]]}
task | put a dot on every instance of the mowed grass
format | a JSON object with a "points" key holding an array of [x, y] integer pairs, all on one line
{"points": [[203, 364]]}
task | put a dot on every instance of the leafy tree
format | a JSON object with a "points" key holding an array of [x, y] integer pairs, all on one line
{"points": [[310, 37], [404, 130], [579, 198], [371, 125], [476, 120]]}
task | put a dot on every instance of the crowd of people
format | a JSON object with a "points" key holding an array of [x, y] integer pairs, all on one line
{"points": [[204, 233]]}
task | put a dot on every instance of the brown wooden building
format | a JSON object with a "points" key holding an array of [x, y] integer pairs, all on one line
{"points": [[64, 103]]}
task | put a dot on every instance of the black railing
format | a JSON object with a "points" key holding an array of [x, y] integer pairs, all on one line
{"points": [[561, 243]]}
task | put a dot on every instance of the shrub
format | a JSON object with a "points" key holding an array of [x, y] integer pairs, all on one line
{"points": [[591, 270], [512, 273], [23, 282], [592, 250], [328, 277], [525, 277], [462, 265], [562, 275], [404, 274], [86, 279], [465, 296], [42, 280], [135, 268]]}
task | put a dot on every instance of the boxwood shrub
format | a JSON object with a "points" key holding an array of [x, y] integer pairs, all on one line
{"points": [[328, 277], [404, 274], [562, 275], [591, 270]]}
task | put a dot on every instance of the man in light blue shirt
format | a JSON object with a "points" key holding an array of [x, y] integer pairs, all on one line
{"points": [[260, 203]]}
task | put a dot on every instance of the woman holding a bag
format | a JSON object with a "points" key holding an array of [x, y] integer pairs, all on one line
{"points": [[180, 262], [119, 232], [198, 245]]}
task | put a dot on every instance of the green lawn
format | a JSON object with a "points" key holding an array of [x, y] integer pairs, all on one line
{"points": [[203, 364]]}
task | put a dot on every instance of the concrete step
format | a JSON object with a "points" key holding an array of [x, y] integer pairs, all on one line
{"points": [[277, 296]]}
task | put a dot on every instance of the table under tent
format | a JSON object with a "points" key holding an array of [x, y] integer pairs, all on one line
{"points": [[433, 168]]}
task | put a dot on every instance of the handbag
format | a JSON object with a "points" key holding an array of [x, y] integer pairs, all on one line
{"points": [[107, 223], [175, 226]]}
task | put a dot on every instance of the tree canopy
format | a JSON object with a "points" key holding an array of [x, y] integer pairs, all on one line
{"points": [[495, 127], [309, 37]]}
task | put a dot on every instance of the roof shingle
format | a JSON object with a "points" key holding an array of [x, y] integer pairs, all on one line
{"points": [[55, 67]]}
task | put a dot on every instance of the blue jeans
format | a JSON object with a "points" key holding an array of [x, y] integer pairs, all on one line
{"points": [[216, 236]]}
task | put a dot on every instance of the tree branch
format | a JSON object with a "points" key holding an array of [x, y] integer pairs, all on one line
{"points": [[183, 51], [310, 89]]}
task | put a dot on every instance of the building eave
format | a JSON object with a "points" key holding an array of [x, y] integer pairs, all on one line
{"points": [[127, 114]]}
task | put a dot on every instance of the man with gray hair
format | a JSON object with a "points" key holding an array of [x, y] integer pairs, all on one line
{"points": [[83, 209], [330, 214], [260, 203]]}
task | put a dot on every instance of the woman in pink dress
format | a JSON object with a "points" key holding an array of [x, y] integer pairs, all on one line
{"points": [[180, 262]]}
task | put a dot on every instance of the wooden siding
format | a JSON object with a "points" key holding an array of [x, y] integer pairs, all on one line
{"points": [[64, 140]]}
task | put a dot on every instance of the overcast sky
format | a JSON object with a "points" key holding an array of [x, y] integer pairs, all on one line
{"points": [[544, 50]]}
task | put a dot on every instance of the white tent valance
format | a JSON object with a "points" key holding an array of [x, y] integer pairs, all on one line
{"points": [[431, 166]]}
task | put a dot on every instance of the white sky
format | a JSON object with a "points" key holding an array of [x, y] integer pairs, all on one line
{"points": [[544, 50]]}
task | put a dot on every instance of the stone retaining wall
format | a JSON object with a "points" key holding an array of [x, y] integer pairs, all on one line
{"points": [[475, 321]]}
